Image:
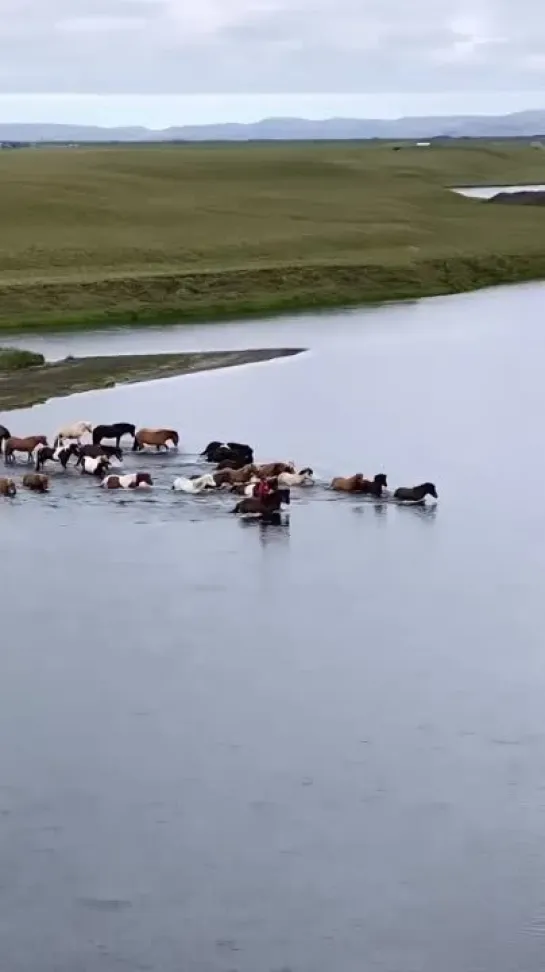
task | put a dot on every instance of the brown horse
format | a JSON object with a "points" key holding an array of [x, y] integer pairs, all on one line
{"points": [[7, 487], [37, 482], [13, 444], [230, 477], [269, 506], [155, 437], [275, 468]]}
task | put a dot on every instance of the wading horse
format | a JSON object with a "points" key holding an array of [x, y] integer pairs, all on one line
{"points": [[115, 431], [37, 482], [28, 445], [7, 487], [238, 453], [132, 481], [95, 451], [61, 455], [155, 437], [4, 434], [267, 507], [75, 431], [415, 494]]}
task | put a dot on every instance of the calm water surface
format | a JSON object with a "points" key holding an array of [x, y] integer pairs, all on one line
{"points": [[310, 747], [486, 192]]}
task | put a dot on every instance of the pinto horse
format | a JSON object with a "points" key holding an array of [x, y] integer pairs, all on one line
{"points": [[131, 481], [7, 487], [155, 437], [28, 445], [115, 431], [95, 451], [415, 494], [268, 506], [36, 482], [4, 434], [94, 466], [61, 454]]}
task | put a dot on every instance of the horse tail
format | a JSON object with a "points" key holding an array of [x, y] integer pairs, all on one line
{"points": [[236, 509], [135, 445]]}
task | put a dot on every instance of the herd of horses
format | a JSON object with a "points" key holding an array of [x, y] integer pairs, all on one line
{"points": [[264, 488]]}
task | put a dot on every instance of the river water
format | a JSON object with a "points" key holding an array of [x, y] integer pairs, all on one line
{"points": [[308, 747]]}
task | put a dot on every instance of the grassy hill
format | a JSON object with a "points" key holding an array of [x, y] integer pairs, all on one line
{"points": [[147, 233]]}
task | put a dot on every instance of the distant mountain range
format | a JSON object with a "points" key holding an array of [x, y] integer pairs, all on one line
{"points": [[521, 124]]}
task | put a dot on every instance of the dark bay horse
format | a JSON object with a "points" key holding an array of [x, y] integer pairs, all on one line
{"points": [[267, 507], [94, 451], [115, 431], [415, 494], [235, 452]]}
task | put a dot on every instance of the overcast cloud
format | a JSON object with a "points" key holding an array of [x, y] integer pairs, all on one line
{"points": [[175, 46]]}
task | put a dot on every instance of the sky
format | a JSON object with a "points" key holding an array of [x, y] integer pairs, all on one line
{"points": [[161, 62]]}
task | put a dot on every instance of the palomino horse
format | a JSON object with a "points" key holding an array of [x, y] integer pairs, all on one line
{"points": [[131, 481], [155, 437], [75, 431], [415, 494], [236, 452], [269, 506], [7, 487], [37, 482], [194, 484], [303, 478], [4, 434], [115, 431], [28, 445]]}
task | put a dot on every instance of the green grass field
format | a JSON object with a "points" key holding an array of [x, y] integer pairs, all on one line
{"points": [[151, 233]]}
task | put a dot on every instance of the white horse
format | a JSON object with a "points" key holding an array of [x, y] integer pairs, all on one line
{"points": [[197, 485], [303, 478], [75, 432]]}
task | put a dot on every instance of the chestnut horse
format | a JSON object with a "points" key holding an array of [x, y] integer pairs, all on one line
{"points": [[7, 487], [28, 445], [155, 437], [275, 468], [37, 482], [229, 477], [358, 484]]}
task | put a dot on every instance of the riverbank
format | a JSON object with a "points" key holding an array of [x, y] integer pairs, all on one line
{"points": [[33, 385], [232, 230]]}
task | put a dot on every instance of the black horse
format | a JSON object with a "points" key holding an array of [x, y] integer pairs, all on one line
{"points": [[415, 494], [61, 454], [267, 507], [115, 431], [4, 434], [235, 452], [94, 451]]}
